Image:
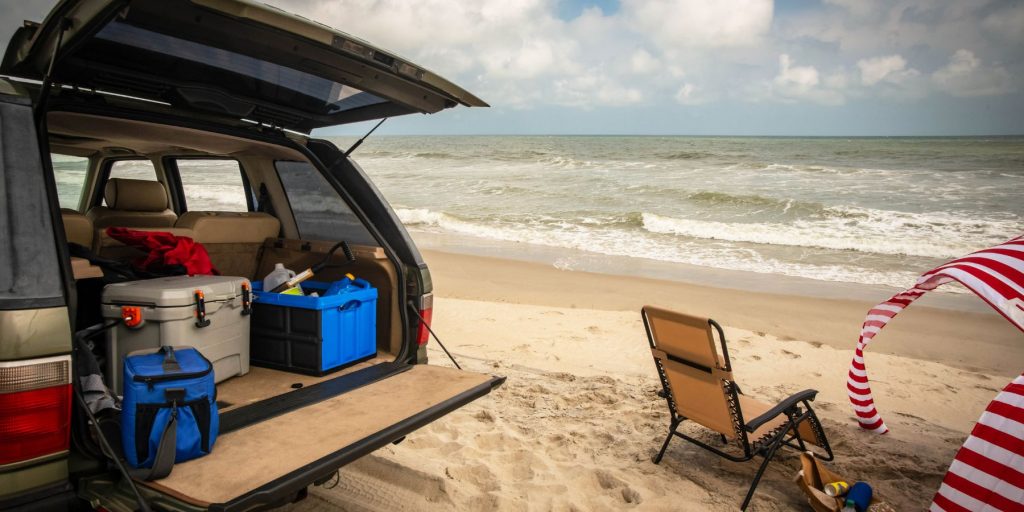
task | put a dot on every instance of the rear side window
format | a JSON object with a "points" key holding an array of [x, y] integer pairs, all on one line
{"points": [[320, 213], [212, 184], [69, 171]]}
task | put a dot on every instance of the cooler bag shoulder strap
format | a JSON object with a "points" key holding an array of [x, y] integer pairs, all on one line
{"points": [[165, 452]]}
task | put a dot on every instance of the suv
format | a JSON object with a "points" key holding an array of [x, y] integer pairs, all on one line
{"points": [[142, 89]]}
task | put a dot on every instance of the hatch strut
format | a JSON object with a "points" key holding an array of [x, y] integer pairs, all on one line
{"points": [[44, 92], [360, 141]]}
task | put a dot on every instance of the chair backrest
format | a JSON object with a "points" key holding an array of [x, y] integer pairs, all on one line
{"points": [[698, 378]]}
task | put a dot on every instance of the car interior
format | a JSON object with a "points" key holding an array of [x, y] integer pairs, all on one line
{"points": [[243, 243]]}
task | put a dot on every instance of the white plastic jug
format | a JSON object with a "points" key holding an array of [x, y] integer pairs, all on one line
{"points": [[276, 277]]}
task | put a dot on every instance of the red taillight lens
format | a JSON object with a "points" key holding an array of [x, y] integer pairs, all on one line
{"points": [[427, 313], [423, 335], [35, 408]]}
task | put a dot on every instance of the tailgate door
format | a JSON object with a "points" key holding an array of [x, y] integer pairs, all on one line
{"points": [[236, 59], [259, 464]]}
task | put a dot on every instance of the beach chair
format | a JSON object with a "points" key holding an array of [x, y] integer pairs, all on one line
{"points": [[698, 386]]}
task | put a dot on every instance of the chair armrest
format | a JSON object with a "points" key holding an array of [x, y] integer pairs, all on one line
{"points": [[783, 406]]}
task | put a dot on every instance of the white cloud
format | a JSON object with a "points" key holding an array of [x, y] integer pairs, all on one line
{"points": [[876, 69], [520, 54], [891, 77], [966, 75], [1008, 23], [643, 62], [794, 83], [690, 94], [592, 89], [796, 78], [699, 23]]}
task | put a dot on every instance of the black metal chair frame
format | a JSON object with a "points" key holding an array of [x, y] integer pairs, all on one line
{"points": [[797, 409]]}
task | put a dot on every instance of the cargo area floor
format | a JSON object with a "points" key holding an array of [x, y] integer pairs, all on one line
{"points": [[247, 463], [262, 383]]}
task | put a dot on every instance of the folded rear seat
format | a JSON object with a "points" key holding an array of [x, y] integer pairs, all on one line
{"points": [[233, 239]]}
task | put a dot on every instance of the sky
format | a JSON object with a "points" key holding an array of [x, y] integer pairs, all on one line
{"points": [[696, 67]]}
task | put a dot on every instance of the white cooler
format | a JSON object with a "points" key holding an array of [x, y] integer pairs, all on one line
{"points": [[171, 315]]}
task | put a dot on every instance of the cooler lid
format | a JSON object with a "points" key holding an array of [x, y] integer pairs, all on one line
{"points": [[176, 291]]}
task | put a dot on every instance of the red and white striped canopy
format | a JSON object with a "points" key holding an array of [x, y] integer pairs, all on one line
{"points": [[988, 471]]}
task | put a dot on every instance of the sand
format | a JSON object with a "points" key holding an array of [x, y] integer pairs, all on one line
{"points": [[578, 420]]}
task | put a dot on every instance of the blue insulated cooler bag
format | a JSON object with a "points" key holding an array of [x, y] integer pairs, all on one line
{"points": [[169, 412]]}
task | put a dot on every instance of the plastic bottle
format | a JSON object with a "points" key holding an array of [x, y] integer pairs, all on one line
{"points": [[276, 277]]}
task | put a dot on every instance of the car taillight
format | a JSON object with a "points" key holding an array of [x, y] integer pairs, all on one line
{"points": [[426, 313], [35, 408]]}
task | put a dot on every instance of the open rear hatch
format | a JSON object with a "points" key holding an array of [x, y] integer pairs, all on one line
{"points": [[233, 59]]}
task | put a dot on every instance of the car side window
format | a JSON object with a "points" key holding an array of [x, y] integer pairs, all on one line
{"points": [[69, 172], [320, 213], [212, 184]]}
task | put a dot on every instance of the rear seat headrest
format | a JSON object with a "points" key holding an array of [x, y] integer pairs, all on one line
{"points": [[135, 195]]}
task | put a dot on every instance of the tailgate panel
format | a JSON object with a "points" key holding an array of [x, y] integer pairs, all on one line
{"points": [[248, 462]]}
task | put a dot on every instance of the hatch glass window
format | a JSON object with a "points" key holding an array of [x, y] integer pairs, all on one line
{"points": [[212, 184], [69, 171], [331, 97], [320, 213]]}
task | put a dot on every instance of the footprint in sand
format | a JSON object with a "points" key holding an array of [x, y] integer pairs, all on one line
{"points": [[790, 355], [593, 329], [607, 481]]}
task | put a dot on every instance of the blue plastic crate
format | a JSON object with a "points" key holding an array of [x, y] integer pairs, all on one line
{"points": [[314, 335]]}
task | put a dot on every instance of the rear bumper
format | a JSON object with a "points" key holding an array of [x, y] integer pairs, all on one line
{"points": [[57, 497]]}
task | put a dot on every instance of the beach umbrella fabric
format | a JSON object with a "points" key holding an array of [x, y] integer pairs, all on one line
{"points": [[988, 471]]}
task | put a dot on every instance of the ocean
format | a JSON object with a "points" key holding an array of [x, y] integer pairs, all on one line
{"points": [[861, 210]]}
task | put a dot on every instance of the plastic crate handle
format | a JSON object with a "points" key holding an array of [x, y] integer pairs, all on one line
{"points": [[352, 304]]}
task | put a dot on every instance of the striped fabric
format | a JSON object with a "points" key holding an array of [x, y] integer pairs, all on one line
{"points": [[988, 471]]}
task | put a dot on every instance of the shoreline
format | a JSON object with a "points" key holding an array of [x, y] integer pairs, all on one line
{"points": [[972, 338], [741, 280]]}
